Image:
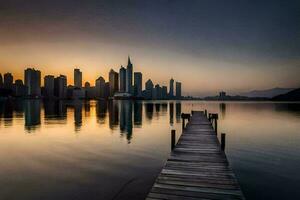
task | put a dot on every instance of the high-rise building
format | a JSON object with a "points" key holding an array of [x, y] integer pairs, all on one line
{"points": [[77, 78], [100, 87], [178, 90], [8, 81], [19, 88], [106, 90], [129, 71], [171, 92], [113, 82], [60, 87], [157, 92], [148, 89], [87, 84], [33, 82], [138, 84], [164, 92], [49, 86], [222, 95], [1, 81], [122, 74]]}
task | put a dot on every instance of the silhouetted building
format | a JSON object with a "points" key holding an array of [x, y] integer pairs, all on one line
{"points": [[156, 94], [148, 89], [60, 87], [77, 78], [129, 71], [33, 82], [78, 93], [113, 82], [164, 92], [87, 84], [122, 77], [178, 90], [90, 91], [19, 89], [100, 87], [171, 92], [1, 81], [49, 86], [222, 95], [8, 81], [106, 90], [138, 84]]}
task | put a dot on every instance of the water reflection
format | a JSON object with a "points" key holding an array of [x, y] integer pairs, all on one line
{"points": [[149, 110], [123, 115], [222, 107], [178, 111], [171, 113], [100, 150], [101, 110], [32, 114]]}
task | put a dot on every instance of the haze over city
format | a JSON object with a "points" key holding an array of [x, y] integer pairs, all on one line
{"points": [[208, 45]]}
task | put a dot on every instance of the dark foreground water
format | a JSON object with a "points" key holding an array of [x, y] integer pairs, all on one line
{"points": [[100, 150]]}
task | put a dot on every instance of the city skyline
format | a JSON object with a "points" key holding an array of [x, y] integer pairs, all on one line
{"points": [[204, 43], [127, 84]]}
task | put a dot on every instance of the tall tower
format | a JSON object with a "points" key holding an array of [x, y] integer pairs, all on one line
{"points": [[33, 82], [49, 85], [8, 81], [129, 76], [77, 78], [60, 86], [113, 82], [122, 75], [100, 87], [178, 90], [138, 82], [171, 92]]}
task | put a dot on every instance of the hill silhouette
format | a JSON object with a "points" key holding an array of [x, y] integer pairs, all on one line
{"points": [[293, 95]]}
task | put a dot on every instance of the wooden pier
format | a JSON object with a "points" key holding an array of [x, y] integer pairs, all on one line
{"points": [[197, 167]]}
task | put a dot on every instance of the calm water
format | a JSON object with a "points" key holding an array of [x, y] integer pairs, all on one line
{"points": [[99, 150]]}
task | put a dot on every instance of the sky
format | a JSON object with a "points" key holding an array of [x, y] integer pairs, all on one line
{"points": [[208, 45]]}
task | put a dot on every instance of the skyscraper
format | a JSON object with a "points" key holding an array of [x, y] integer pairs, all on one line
{"points": [[129, 76], [138, 81], [60, 87], [100, 87], [156, 92], [1, 81], [8, 81], [178, 90], [164, 92], [77, 78], [49, 86], [113, 82], [171, 92], [19, 88], [148, 89], [122, 77], [33, 81]]}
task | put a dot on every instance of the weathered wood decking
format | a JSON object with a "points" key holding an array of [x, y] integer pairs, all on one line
{"points": [[197, 167]]}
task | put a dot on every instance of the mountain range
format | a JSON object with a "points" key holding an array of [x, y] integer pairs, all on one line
{"points": [[269, 93]]}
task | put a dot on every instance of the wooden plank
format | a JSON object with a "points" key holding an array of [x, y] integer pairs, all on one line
{"points": [[197, 168]]}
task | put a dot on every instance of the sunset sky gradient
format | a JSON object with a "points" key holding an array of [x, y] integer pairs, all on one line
{"points": [[207, 45]]}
